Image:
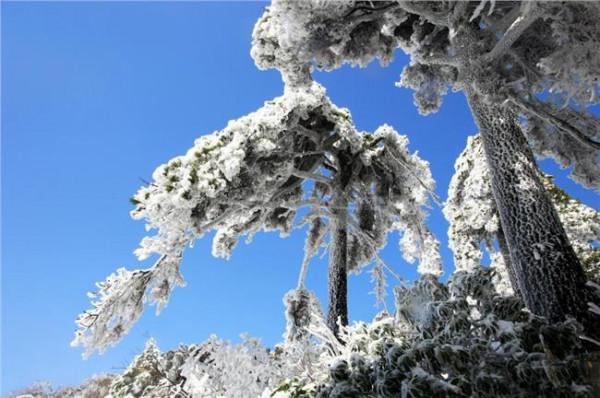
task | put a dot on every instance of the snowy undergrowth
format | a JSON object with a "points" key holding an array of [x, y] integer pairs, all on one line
{"points": [[460, 339], [469, 341]]}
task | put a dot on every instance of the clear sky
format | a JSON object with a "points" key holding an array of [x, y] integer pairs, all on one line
{"points": [[94, 97]]}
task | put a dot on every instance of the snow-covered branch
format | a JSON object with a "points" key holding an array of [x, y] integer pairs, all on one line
{"points": [[545, 112], [120, 302], [420, 8], [312, 176], [249, 177], [530, 12]]}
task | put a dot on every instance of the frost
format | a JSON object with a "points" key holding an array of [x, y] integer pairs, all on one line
{"points": [[519, 53], [120, 301], [472, 214], [297, 151], [217, 368]]}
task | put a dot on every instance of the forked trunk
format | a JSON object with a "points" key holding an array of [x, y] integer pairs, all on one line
{"points": [[546, 270]]}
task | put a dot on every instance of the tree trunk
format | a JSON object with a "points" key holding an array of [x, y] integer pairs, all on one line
{"points": [[338, 258], [547, 272]]}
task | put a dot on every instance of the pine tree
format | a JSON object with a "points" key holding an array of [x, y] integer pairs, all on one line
{"points": [[152, 374], [473, 216], [298, 151], [505, 59]]}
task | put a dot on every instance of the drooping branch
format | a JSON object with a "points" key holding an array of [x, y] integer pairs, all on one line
{"points": [[120, 301], [314, 240], [364, 235]]}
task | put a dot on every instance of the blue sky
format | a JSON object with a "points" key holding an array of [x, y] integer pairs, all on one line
{"points": [[94, 97]]}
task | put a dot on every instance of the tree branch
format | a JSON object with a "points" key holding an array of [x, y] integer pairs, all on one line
{"points": [[434, 18], [530, 13], [541, 110], [313, 135], [312, 176], [437, 59], [330, 140], [370, 10], [356, 228], [459, 9], [295, 154], [506, 21], [293, 182], [436, 198], [221, 217]]}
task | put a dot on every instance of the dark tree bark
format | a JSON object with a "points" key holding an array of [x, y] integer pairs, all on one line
{"points": [[338, 274], [338, 249], [546, 270]]}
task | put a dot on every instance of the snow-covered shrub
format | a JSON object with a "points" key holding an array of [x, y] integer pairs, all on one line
{"points": [[459, 339], [462, 339], [356, 346]]}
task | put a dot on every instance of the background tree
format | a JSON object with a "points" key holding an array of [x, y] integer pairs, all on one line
{"points": [[218, 368], [298, 151], [473, 217], [97, 386], [506, 60], [152, 374]]}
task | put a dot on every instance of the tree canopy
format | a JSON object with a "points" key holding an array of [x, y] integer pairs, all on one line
{"points": [[538, 58], [298, 151]]}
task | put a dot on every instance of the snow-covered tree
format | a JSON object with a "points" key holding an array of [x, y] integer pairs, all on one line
{"points": [[473, 217], [97, 386], [215, 368], [218, 368], [506, 57], [297, 151], [152, 374]]}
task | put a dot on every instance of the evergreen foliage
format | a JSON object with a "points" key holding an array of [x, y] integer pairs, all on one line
{"points": [[458, 339], [461, 339], [297, 151], [530, 72]]}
